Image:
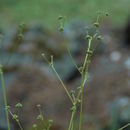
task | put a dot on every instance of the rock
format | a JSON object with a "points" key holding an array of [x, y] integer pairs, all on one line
{"points": [[2, 128], [115, 56], [120, 112], [127, 63]]}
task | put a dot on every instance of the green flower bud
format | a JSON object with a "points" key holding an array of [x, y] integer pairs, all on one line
{"points": [[79, 100], [72, 92], [50, 121], [99, 38], [39, 117], [39, 104], [73, 109], [7, 107], [15, 117], [88, 37], [43, 54], [60, 17], [89, 52], [80, 69], [96, 24], [20, 36], [34, 126], [21, 25], [78, 88], [107, 14], [61, 29], [18, 105]]}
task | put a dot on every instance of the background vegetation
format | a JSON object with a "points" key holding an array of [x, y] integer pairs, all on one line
{"points": [[46, 11], [29, 80]]}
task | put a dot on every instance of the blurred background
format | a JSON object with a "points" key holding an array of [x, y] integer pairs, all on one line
{"points": [[30, 81]]}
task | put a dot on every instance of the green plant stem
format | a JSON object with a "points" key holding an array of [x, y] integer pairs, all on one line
{"points": [[83, 81], [53, 68], [72, 128], [11, 54], [67, 92], [71, 121], [71, 57], [81, 105], [19, 124], [124, 126], [5, 98], [17, 120], [85, 69], [87, 58]]}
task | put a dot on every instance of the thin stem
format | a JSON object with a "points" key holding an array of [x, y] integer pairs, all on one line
{"points": [[71, 121], [79, 92], [85, 68], [5, 98], [66, 90], [81, 111], [19, 124], [53, 68], [84, 78], [15, 47], [72, 59], [81, 105], [124, 126], [87, 56], [17, 121]]}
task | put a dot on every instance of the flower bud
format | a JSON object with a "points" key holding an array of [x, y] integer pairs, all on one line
{"points": [[96, 24], [34, 126], [61, 29], [99, 38], [60, 17], [15, 117], [7, 107], [39, 117], [88, 37], [18, 105], [50, 121], [107, 14], [38, 105], [20, 36], [73, 109], [80, 69]]}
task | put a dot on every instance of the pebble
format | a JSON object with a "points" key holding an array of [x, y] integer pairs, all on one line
{"points": [[127, 63], [115, 56]]}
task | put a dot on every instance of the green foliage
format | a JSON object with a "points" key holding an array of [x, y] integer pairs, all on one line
{"points": [[46, 11]]}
